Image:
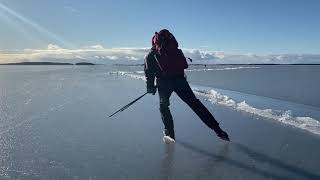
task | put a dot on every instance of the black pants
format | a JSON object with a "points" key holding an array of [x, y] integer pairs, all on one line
{"points": [[181, 87]]}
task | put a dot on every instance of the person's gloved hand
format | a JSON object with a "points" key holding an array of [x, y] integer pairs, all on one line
{"points": [[151, 89]]}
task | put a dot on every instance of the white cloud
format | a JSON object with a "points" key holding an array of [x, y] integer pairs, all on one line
{"points": [[80, 57], [132, 58], [71, 9], [53, 47], [110, 57], [95, 53], [98, 46], [102, 55]]}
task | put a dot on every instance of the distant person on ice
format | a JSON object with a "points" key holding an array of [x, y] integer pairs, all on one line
{"points": [[166, 63]]}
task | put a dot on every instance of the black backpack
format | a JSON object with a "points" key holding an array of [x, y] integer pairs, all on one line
{"points": [[165, 43], [169, 57]]}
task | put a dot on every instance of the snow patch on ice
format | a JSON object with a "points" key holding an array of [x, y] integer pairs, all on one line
{"points": [[224, 68], [286, 117]]}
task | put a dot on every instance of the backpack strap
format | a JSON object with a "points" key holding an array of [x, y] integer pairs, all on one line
{"points": [[156, 58]]}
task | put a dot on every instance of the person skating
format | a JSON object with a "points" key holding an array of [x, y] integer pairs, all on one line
{"points": [[166, 63]]}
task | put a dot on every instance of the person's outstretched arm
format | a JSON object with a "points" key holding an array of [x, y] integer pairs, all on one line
{"points": [[149, 70], [185, 63]]}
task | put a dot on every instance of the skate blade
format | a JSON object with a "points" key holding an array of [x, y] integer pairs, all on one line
{"points": [[168, 140]]}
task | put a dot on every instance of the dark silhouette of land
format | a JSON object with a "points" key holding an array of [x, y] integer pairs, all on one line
{"points": [[47, 63], [37, 63], [88, 63], [84, 63]]}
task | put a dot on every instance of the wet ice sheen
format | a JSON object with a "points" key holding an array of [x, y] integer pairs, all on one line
{"points": [[54, 125]]}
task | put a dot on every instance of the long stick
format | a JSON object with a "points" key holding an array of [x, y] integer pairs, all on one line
{"points": [[128, 105]]}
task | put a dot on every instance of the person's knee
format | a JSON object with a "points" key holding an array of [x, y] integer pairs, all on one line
{"points": [[195, 104], [164, 103], [197, 101], [192, 101], [164, 106]]}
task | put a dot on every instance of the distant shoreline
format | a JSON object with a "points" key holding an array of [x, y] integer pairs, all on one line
{"points": [[47, 63], [222, 64], [88, 63]]}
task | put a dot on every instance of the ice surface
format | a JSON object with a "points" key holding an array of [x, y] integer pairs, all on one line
{"points": [[64, 132], [286, 117]]}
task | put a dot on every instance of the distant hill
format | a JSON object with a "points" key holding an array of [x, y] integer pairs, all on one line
{"points": [[84, 63], [37, 63]]}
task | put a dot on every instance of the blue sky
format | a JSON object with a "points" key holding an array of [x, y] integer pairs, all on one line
{"points": [[246, 26]]}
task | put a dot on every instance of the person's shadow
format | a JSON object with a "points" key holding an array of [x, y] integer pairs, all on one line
{"points": [[257, 156], [212, 166], [167, 162]]}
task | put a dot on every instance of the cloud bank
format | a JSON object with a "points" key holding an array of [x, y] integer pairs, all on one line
{"points": [[102, 55]]}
